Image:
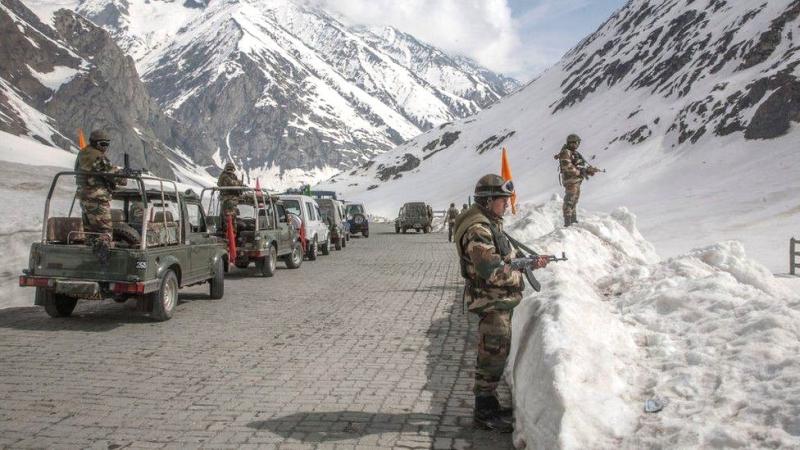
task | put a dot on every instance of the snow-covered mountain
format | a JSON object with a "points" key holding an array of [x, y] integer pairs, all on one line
{"points": [[691, 106], [68, 74], [283, 88]]}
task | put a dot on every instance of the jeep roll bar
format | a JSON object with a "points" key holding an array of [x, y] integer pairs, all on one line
{"points": [[141, 179], [243, 189]]}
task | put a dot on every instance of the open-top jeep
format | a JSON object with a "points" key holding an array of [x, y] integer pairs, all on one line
{"points": [[414, 215], [159, 245], [261, 229]]}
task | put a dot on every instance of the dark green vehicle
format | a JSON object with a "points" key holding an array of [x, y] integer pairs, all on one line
{"points": [[414, 215], [159, 244], [261, 228]]}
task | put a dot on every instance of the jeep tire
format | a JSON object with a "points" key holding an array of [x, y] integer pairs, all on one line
{"points": [[365, 234], [56, 305], [165, 299], [313, 250], [216, 285], [339, 243], [295, 259], [326, 247], [266, 265], [126, 233]]}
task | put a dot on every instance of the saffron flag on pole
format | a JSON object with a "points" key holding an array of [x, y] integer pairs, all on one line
{"points": [[505, 172], [81, 139]]}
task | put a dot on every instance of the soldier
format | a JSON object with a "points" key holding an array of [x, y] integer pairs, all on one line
{"points": [[573, 170], [492, 291], [229, 197], [464, 208], [452, 213], [94, 191]]}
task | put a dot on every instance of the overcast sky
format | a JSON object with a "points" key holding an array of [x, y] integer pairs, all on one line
{"points": [[519, 38]]}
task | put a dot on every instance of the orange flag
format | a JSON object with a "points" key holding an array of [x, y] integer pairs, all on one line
{"points": [[505, 171], [81, 139]]}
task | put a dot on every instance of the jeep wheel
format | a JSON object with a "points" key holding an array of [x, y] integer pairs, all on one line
{"points": [[217, 284], [365, 234], [397, 229], [165, 298], [348, 236], [405, 230], [339, 243], [295, 259], [56, 305], [266, 265], [344, 242], [427, 229], [313, 250], [126, 233], [326, 247]]}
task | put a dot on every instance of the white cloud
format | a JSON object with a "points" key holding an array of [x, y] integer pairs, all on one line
{"points": [[480, 29]]}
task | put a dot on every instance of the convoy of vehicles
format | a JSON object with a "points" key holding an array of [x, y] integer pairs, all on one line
{"points": [[164, 239], [414, 215]]}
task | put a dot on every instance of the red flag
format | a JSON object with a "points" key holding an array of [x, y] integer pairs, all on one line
{"points": [[81, 139], [259, 194], [505, 171], [231, 236]]}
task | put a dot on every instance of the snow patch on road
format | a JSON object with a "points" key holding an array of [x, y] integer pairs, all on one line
{"points": [[712, 332]]}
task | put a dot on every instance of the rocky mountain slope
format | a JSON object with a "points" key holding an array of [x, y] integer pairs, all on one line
{"points": [[57, 79], [284, 89], [691, 105]]}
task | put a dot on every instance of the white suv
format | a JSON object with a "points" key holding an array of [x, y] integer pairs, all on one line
{"points": [[317, 232]]}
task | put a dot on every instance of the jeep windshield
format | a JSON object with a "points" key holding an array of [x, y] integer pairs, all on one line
{"points": [[292, 206], [354, 209], [326, 208]]}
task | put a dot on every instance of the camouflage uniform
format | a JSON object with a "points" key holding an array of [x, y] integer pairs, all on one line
{"points": [[493, 290], [229, 198], [569, 162], [94, 191], [452, 213]]}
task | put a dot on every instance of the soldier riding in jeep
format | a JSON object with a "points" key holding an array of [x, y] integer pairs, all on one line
{"points": [[158, 244]]}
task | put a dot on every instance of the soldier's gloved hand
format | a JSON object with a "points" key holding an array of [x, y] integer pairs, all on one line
{"points": [[539, 262]]}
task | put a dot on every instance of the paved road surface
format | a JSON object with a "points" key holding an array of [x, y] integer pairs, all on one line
{"points": [[365, 348]]}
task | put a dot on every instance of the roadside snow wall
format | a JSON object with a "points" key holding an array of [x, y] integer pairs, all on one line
{"points": [[711, 332]]}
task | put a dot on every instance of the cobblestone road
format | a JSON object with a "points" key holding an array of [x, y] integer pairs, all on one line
{"points": [[365, 348]]}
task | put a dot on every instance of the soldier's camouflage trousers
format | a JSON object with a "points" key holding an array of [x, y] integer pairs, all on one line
{"points": [[96, 216], [450, 226], [494, 343], [571, 196], [229, 205]]}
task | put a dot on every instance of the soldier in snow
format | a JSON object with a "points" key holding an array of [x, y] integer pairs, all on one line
{"points": [[573, 169], [452, 213], [493, 288], [94, 191]]}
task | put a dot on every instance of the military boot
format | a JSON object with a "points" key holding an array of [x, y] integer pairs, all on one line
{"points": [[502, 411], [487, 416]]}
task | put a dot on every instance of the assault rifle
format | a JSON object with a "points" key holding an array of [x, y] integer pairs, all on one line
{"points": [[126, 167], [524, 263], [586, 169]]}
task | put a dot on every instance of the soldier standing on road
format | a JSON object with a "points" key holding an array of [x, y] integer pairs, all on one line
{"points": [[492, 291], [94, 191], [229, 198], [464, 208], [452, 213], [573, 170]]}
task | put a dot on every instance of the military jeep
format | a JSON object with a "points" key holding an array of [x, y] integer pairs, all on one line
{"points": [[414, 215], [159, 245], [261, 228]]}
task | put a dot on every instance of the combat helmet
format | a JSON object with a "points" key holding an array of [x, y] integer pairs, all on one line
{"points": [[492, 185], [229, 167], [99, 135], [573, 139]]}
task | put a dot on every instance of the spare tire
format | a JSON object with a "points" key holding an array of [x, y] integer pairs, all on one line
{"points": [[126, 233]]}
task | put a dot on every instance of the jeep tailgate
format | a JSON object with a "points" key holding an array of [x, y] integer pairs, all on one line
{"points": [[80, 262]]}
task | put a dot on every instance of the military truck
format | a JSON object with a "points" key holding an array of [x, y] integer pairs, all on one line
{"points": [[160, 243], [414, 215], [261, 229]]}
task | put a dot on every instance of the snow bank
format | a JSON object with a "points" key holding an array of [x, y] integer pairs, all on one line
{"points": [[711, 332]]}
